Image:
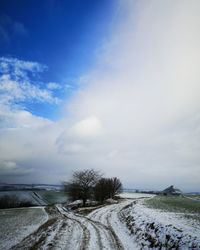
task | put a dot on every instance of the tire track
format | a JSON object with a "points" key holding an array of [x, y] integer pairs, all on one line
{"points": [[67, 237], [109, 226], [102, 230], [67, 230], [105, 237], [53, 234], [109, 216], [86, 234]]}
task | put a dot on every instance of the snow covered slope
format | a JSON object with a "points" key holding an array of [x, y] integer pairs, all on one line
{"points": [[153, 228]]}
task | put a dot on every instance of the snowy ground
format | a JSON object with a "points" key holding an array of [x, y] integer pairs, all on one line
{"points": [[154, 228], [38, 197], [136, 195], [17, 223], [31, 196], [127, 225], [68, 230]]}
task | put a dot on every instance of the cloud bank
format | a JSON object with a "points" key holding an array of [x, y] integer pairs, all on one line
{"points": [[136, 114]]}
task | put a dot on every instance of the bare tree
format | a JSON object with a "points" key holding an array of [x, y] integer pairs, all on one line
{"points": [[82, 184], [101, 190], [107, 188], [116, 186]]}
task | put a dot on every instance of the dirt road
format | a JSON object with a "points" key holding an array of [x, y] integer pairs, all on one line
{"points": [[101, 229]]}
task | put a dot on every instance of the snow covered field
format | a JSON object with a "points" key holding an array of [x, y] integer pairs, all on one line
{"points": [[38, 197], [31, 196], [131, 195], [17, 223], [158, 228], [129, 224]]}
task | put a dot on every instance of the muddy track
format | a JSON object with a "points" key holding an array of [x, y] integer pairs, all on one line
{"points": [[109, 232], [101, 228], [68, 230], [86, 234], [102, 236], [109, 216], [57, 233]]}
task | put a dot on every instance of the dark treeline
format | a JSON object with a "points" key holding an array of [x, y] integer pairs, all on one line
{"points": [[13, 201], [90, 184]]}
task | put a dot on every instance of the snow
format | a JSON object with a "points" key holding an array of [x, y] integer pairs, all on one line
{"points": [[31, 196], [111, 201], [109, 216], [17, 223], [76, 203], [135, 195], [153, 227], [129, 224]]}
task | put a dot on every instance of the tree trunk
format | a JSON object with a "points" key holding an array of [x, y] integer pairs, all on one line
{"points": [[84, 202]]}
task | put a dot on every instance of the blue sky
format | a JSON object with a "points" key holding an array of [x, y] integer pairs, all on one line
{"points": [[109, 85], [63, 35]]}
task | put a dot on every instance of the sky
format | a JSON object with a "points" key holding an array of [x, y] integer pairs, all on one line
{"points": [[104, 84]]}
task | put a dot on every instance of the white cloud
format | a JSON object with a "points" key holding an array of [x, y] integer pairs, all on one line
{"points": [[53, 85], [78, 137], [136, 115], [21, 132], [144, 91], [19, 68], [13, 91], [20, 119], [90, 126], [17, 86]]}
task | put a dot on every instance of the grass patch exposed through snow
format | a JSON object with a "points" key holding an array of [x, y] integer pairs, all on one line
{"points": [[177, 204], [53, 197]]}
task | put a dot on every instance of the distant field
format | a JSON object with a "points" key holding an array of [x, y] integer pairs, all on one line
{"points": [[177, 204], [193, 196], [53, 197], [17, 223], [133, 195], [38, 197]]}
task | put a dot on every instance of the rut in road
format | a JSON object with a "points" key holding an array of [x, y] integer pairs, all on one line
{"points": [[110, 216], [58, 232], [67, 230], [101, 236]]}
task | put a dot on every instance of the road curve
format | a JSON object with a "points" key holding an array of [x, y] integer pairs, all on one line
{"points": [[100, 236], [110, 217], [100, 230]]}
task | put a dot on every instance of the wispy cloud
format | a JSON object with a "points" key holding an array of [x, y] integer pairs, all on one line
{"points": [[19, 82], [53, 85], [19, 68]]}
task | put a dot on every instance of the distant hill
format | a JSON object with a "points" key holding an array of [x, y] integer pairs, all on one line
{"points": [[15, 187]]}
